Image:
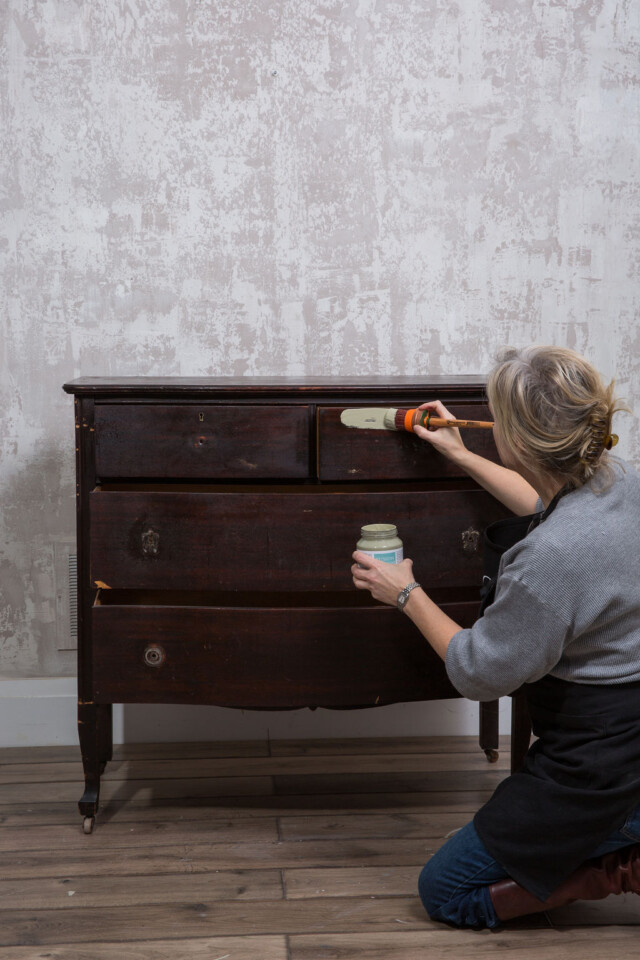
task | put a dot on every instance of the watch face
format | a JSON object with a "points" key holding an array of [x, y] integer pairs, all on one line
{"points": [[403, 596]]}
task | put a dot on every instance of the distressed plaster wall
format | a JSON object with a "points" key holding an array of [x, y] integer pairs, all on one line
{"points": [[295, 187]]}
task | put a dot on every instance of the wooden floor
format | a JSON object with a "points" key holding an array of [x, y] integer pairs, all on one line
{"points": [[252, 851]]}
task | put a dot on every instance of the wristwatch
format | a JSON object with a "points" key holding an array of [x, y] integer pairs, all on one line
{"points": [[403, 596]]}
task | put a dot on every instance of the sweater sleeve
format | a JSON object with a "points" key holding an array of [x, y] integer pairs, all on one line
{"points": [[518, 640]]}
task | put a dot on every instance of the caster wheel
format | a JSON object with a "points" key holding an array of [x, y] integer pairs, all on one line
{"points": [[492, 755], [87, 824]]}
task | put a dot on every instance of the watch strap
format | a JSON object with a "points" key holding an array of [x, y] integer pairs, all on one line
{"points": [[403, 596]]}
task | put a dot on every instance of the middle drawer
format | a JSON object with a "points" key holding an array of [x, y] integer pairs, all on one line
{"points": [[257, 541]]}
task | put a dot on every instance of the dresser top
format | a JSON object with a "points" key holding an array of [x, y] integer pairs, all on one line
{"points": [[106, 387]]}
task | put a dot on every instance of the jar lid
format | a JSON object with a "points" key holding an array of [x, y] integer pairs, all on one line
{"points": [[379, 531]]}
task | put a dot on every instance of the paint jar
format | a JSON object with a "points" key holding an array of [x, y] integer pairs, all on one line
{"points": [[381, 541]]}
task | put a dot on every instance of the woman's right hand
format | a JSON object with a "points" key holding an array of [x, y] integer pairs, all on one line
{"points": [[446, 440]]}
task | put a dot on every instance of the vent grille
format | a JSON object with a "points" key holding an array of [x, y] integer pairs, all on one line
{"points": [[65, 560], [73, 600]]}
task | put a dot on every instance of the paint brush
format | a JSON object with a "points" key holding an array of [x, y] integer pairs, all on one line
{"points": [[377, 418]]}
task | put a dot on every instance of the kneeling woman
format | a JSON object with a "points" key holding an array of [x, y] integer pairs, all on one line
{"points": [[565, 623]]}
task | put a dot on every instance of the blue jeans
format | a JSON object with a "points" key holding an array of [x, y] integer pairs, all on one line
{"points": [[454, 885]]}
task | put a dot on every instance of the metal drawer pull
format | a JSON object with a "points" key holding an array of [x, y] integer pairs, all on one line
{"points": [[154, 655], [470, 540], [150, 542]]}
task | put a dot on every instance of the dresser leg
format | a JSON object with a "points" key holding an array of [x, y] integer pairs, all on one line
{"points": [[105, 732], [489, 736], [94, 731]]}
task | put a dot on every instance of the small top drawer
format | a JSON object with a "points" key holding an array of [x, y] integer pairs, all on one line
{"points": [[348, 453], [202, 441]]}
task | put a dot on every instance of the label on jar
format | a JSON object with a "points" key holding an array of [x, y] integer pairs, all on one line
{"points": [[389, 556]]}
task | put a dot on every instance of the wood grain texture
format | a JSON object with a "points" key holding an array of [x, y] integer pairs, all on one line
{"points": [[348, 453], [266, 657], [149, 833], [201, 856], [317, 827], [206, 918], [534, 942], [193, 948], [147, 751], [214, 441], [215, 560], [452, 387], [218, 767], [290, 876], [143, 790], [352, 882], [201, 809], [352, 746], [66, 893], [293, 541]]}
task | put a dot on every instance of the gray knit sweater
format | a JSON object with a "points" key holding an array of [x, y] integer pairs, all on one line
{"points": [[567, 599]]}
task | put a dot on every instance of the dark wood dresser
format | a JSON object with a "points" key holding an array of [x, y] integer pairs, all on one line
{"points": [[216, 522]]}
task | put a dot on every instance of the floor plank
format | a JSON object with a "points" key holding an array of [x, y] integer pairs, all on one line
{"points": [[448, 944], [623, 909], [486, 778], [351, 882], [208, 918], [142, 833], [196, 948], [150, 751], [149, 790], [378, 745], [69, 838], [185, 769], [353, 825], [257, 748], [202, 857], [144, 791], [18, 815], [286, 850], [64, 893]]}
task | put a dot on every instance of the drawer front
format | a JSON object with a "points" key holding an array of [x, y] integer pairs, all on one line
{"points": [[347, 453], [194, 441], [265, 658], [279, 541]]}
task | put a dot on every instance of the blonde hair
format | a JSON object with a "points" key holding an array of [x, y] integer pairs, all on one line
{"points": [[554, 412]]}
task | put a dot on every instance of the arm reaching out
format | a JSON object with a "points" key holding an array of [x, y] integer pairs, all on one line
{"points": [[505, 485], [385, 581]]}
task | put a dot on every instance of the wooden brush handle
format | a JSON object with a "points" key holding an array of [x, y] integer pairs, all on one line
{"points": [[408, 419], [477, 424]]}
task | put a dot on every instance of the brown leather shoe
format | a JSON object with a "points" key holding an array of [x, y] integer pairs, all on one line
{"points": [[617, 872]]}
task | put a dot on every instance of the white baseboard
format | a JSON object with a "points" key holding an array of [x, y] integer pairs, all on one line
{"points": [[41, 711]]}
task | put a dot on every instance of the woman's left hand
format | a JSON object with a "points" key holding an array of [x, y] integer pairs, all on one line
{"points": [[383, 580]]}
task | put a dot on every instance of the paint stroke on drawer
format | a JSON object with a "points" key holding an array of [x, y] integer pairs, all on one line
{"points": [[347, 453]]}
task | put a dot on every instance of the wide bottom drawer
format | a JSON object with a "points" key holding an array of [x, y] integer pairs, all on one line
{"points": [[266, 657]]}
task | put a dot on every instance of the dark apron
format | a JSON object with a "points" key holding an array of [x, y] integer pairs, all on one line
{"points": [[579, 780], [497, 538]]}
